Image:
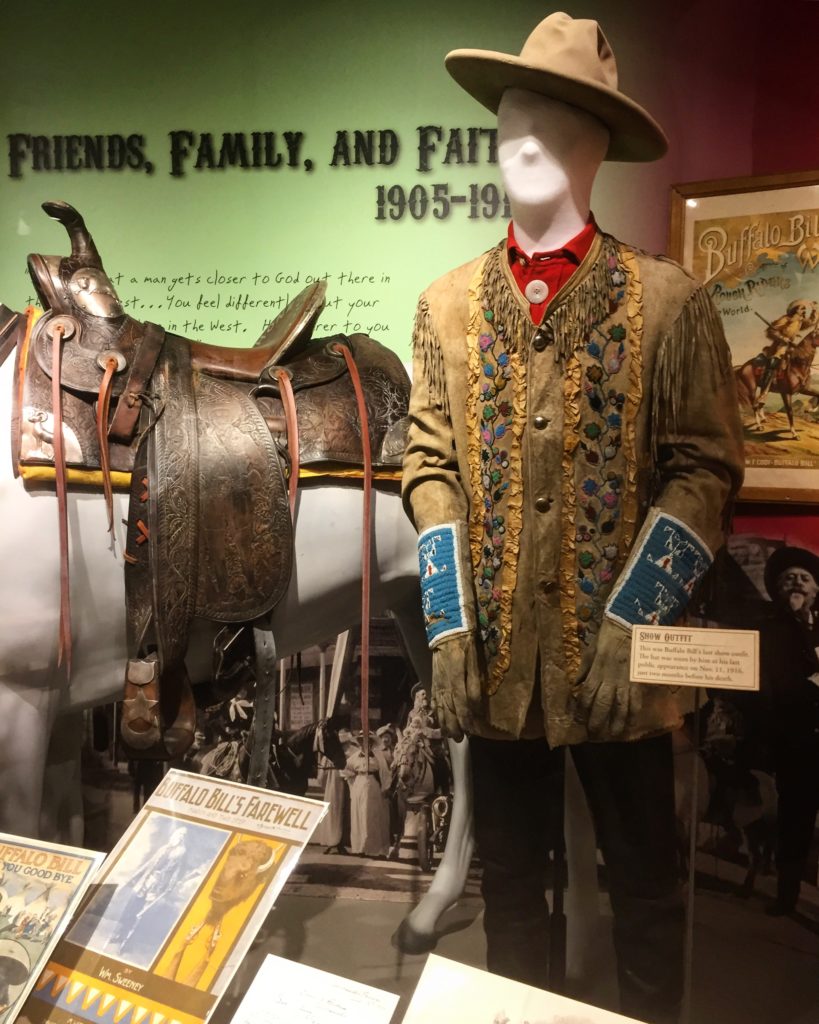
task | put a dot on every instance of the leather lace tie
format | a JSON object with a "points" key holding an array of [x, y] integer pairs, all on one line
{"points": [[103, 407]]}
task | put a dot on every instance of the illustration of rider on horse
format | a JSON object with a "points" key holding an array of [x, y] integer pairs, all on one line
{"points": [[785, 334]]}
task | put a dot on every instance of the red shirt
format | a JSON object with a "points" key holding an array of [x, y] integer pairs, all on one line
{"points": [[552, 269]]}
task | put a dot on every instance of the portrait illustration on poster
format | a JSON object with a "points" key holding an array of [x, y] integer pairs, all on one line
{"points": [[134, 912], [40, 886]]}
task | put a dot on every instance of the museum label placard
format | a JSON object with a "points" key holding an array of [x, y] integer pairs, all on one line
{"points": [[725, 659]]}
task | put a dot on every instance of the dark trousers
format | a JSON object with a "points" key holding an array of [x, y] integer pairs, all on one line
{"points": [[630, 791], [797, 785]]}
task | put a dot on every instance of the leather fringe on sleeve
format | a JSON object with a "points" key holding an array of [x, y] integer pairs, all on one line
{"points": [[694, 346], [425, 344]]}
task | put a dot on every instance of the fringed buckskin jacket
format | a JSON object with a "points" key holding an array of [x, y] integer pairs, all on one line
{"points": [[571, 459]]}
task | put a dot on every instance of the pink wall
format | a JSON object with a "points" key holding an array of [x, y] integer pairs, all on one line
{"points": [[693, 65], [735, 84], [786, 115]]}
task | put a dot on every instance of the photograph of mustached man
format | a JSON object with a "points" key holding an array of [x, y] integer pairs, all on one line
{"points": [[789, 662], [762, 749]]}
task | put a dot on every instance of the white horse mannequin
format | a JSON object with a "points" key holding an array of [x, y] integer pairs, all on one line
{"points": [[322, 600]]}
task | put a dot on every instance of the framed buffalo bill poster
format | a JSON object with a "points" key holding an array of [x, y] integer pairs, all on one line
{"points": [[754, 243]]}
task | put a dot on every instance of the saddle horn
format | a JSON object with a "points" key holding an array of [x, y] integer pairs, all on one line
{"points": [[83, 249]]}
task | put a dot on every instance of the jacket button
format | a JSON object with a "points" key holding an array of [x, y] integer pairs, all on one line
{"points": [[541, 340], [536, 292], [548, 586], [543, 504], [541, 422]]}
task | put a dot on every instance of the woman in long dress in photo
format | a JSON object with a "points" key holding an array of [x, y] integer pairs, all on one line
{"points": [[369, 778]]}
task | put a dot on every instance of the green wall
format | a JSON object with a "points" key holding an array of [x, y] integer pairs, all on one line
{"points": [[317, 68]]}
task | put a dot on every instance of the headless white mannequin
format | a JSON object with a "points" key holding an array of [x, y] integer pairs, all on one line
{"points": [[549, 154]]}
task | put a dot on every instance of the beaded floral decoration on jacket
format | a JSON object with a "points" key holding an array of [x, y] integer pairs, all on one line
{"points": [[496, 420], [601, 438], [593, 337]]}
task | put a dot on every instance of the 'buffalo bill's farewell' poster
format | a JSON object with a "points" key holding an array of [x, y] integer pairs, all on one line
{"points": [[758, 256], [175, 905]]}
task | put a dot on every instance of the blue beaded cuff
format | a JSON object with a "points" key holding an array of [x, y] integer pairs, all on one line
{"points": [[442, 585], [656, 586]]}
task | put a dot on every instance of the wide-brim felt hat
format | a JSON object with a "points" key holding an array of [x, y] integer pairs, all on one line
{"points": [[567, 59], [789, 558]]}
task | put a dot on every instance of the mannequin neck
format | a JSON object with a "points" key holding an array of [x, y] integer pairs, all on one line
{"points": [[542, 229], [549, 153]]}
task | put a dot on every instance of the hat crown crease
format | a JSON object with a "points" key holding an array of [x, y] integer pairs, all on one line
{"points": [[573, 47]]}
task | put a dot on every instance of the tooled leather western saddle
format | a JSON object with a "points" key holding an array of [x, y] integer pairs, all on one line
{"points": [[209, 436]]}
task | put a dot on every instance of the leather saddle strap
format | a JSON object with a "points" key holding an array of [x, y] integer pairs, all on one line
{"points": [[366, 543], [264, 712], [9, 332], [292, 425], [103, 407], [64, 648], [143, 363]]}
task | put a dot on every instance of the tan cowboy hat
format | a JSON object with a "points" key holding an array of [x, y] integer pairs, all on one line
{"points": [[566, 59]]}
